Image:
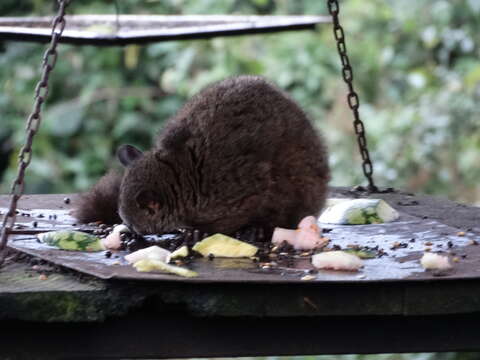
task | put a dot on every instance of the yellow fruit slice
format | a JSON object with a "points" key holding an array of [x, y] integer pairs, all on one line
{"points": [[148, 265], [224, 246]]}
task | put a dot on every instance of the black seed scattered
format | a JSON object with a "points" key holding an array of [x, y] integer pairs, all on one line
{"points": [[108, 254], [66, 200], [35, 224], [196, 236], [449, 244], [211, 257]]}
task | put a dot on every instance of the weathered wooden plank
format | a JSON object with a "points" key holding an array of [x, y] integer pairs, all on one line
{"points": [[23, 278], [139, 29]]}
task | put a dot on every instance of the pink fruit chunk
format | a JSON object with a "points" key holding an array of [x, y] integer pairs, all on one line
{"points": [[112, 241], [306, 237], [310, 223]]}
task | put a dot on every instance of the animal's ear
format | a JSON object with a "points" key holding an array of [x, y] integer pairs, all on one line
{"points": [[127, 154], [148, 200]]}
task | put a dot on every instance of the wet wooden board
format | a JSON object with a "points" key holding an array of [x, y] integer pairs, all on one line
{"points": [[139, 29], [399, 264]]}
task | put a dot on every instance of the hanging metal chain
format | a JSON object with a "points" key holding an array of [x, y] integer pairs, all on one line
{"points": [[33, 123], [352, 97]]}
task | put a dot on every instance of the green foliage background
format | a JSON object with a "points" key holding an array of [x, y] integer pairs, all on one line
{"points": [[416, 70]]}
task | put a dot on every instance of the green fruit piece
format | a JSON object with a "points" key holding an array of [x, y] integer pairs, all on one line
{"points": [[148, 265], [358, 212], [181, 252], [224, 246], [71, 240]]}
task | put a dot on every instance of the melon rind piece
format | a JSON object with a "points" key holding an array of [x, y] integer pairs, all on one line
{"points": [[220, 245], [152, 253], [359, 212], [337, 260], [181, 252], [149, 265], [71, 240]]}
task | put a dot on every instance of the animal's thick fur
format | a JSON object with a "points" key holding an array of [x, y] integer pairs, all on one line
{"points": [[239, 153], [101, 202]]}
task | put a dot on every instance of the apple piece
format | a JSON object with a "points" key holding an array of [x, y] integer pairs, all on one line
{"points": [[152, 253], [431, 261], [337, 260]]}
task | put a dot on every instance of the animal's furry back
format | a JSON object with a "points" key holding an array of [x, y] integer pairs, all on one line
{"points": [[100, 203]]}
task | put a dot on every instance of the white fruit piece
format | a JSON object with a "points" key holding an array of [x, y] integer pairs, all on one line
{"points": [[280, 235], [112, 241], [337, 260], [122, 228], [431, 261], [359, 212], [152, 253]]}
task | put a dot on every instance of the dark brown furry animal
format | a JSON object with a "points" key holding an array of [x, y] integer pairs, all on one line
{"points": [[240, 153]]}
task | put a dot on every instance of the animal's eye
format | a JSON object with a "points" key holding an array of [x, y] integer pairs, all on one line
{"points": [[149, 201]]}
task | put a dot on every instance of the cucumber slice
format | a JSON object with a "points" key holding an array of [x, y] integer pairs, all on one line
{"points": [[71, 240], [359, 212]]}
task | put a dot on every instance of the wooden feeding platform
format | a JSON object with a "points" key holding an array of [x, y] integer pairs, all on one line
{"points": [[140, 29], [90, 306]]}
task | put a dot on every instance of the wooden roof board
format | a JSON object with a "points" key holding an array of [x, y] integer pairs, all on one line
{"points": [[110, 30]]}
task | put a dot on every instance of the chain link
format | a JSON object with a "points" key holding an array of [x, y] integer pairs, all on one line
{"points": [[352, 97], [33, 123]]}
